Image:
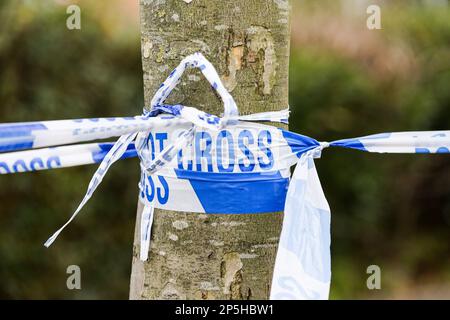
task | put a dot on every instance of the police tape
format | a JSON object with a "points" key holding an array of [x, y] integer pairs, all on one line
{"points": [[196, 162], [58, 157], [30, 135]]}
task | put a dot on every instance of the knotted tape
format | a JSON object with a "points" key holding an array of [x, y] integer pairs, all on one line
{"points": [[200, 162]]}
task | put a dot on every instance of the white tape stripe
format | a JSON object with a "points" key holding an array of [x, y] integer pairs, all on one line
{"points": [[272, 116], [146, 227], [54, 158], [113, 155], [62, 132]]}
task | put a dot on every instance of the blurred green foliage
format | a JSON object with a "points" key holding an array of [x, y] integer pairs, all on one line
{"points": [[389, 210], [48, 72]]}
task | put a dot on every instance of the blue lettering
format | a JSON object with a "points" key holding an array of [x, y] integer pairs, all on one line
{"points": [[180, 158], [225, 154], [5, 167], [54, 159], [35, 164], [152, 143], [222, 135], [150, 190], [165, 185], [247, 135], [161, 137], [265, 134], [180, 162], [142, 184], [19, 163], [205, 153], [36, 161], [152, 186]]}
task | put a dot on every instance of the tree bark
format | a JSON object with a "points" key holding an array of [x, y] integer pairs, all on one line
{"points": [[200, 256]]}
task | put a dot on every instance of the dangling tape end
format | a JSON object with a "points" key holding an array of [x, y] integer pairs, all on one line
{"points": [[143, 256], [50, 240]]}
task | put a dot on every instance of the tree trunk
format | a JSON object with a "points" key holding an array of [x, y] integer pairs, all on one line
{"points": [[200, 256]]}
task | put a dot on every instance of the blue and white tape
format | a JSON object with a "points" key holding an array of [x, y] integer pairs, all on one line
{"points": [[303, 263], [249, 157], [189, 159], [58, 157], [400, 142], [196, 60]]}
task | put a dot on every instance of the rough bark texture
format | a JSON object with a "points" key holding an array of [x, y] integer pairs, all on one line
{"points": [[199, 256]]}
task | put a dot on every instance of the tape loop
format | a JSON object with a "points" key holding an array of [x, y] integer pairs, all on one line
{"points": [[196, 60]]}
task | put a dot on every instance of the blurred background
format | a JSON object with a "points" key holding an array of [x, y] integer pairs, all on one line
{"points": [[345, 81]]}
